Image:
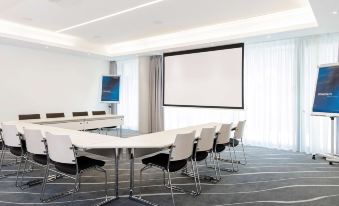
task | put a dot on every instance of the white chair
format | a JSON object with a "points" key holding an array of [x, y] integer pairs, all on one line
{"points": [[12, 140], [238, 138], [36, 154], [202, 149], [223, 141], [174, 161], [64, 156]]}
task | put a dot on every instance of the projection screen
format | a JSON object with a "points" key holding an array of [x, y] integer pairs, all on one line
{"points": [[210, 77]]}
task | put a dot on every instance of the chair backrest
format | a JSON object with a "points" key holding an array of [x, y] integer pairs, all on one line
{"points": [[239, 131], [206, 139], [55, 115], [225, 133], [98, 112], [183, 146], [79, 114], [34, 141], [60, 148], [10, 135], [29, 116]]}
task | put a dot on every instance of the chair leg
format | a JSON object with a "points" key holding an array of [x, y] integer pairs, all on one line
{"points": [[197, 172], [170, 184], [2, 161], [106, 185], [42, 194], [23, 173], [164, 176], [215, 166], [218, 175], [235, 159], [140, 179], [243, 150], [195, 179], [18, 171], [230, 153]]}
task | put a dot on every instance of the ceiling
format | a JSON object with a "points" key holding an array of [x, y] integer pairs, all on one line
{"points": [[123, 27]]}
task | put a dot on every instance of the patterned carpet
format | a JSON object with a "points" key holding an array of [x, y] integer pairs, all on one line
{"points": [[271, 177]]}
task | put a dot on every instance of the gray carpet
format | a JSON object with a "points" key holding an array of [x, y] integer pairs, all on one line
{"points": [[271, 177]]}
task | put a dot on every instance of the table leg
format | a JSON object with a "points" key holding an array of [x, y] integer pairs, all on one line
{"points": [[120, 131]]}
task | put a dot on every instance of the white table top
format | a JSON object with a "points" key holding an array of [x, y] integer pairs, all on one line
{"points": [[70, 119], [80, 139], [155, 140], [87, 140]]}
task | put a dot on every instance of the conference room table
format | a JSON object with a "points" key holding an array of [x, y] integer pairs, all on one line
{"points": [[88, 141], [83, 123]]}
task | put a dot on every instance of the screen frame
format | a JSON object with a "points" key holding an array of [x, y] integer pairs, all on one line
{"points": [[101, 89], [201, 50], [326, 114]]}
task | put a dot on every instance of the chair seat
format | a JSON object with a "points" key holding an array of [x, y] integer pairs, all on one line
{"points": [[83, 163], [41, 159], [15, 151], [219, 148], [162, 161], [200, 155], [236, 142]]}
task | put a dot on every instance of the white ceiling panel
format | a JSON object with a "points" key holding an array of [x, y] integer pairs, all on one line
{"points": [[177, 15], [57, 14]]}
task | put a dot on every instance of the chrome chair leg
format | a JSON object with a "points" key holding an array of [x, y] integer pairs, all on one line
{"points": [[197, 191], [197, 172], [2, 161], [18, 171], [170, 185], [23, 173], [235, 159], [243, 150], [140, 179], [42, 194], [106, 180]]}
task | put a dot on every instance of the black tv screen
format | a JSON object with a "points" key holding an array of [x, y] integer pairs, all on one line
{"points": [[110, 91]]}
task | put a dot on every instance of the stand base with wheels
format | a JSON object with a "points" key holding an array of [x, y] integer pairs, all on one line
{"points": [[330, 157]]}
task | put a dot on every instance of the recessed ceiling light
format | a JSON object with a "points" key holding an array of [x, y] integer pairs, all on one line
{"points": [[110, 15], [334, 12], [46, 47], [268, 36]]}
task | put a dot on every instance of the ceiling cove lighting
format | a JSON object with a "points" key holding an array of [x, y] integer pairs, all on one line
{"points": [[262, 25], [31, 34], [110, 15]]}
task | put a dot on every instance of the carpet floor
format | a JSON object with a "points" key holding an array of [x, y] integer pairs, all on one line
{"points": [[271, 177]]}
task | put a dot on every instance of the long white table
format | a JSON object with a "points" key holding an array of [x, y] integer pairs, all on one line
{"points": [[88, 141], [83, 122]]}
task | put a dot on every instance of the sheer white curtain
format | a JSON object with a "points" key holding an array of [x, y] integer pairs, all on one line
{"points": [[315, 131], [129, 97], [271, 103], [279, 87]]}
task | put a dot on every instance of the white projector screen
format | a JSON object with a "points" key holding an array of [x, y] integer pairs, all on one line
{"points": [[209, 77]]}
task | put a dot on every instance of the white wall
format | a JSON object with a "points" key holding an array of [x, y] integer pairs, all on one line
{"points": [[40, 81], [144, 95]]}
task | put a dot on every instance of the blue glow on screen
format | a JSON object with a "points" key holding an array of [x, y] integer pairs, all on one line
{"points": [[327, 91], [110, 89]]}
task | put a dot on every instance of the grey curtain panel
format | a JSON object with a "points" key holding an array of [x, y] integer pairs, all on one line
{"points": [[156, 93]]}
